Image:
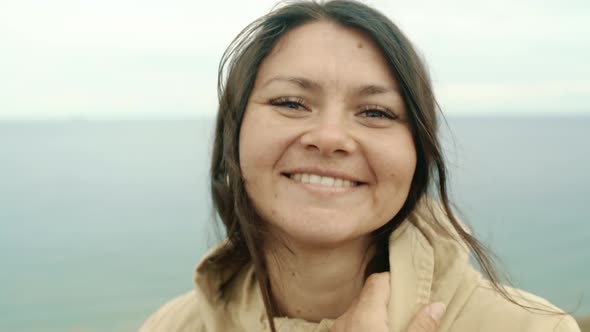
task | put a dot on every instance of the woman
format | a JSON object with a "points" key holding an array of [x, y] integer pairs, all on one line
{"points": [[325, 150]]}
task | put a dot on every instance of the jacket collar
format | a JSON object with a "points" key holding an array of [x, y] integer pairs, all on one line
{"points": [[428, 263]]}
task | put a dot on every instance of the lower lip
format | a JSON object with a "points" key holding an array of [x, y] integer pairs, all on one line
{"points": [[324, 190]]}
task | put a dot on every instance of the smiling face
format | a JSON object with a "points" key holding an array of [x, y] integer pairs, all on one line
{"points": [[326, 148]]}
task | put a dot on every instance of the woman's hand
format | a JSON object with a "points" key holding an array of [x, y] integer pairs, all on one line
{"points": [[369, 311]]}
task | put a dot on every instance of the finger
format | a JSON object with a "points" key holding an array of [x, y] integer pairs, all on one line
{"points": [[370, 313], [369, 310], [427, 319], [375, 291]]}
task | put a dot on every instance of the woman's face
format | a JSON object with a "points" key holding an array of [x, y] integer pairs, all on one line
{"points": [[326, 149]]}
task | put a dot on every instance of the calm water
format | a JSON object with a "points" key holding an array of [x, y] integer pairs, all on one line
{"points": [[103, 222]]}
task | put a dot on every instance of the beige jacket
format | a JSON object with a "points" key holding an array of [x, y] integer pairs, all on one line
{"points": [[425, 267]]}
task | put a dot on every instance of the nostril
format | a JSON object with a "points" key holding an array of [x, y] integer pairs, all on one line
{"points": [[328, 141]]}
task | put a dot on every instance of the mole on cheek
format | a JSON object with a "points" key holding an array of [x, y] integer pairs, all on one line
{"points": [[359, 45]]}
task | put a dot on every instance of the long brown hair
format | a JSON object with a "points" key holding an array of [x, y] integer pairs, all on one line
{"points": [[237, 72]]}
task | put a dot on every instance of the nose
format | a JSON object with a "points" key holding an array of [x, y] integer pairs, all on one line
{"points": [[329, 136]]}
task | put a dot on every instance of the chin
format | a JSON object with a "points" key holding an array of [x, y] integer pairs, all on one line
{"points": [[333, 231]]}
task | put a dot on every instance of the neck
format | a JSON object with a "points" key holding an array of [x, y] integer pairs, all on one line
{"points": [[314, 283]]}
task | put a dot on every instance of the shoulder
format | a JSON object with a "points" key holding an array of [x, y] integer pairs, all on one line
{"points": [[179, 314], [487, 310]]}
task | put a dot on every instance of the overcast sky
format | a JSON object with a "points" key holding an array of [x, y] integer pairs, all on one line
{"points": [[156, 58]]}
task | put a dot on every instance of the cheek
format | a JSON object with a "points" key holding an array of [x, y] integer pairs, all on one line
{"points": [[253, 162], [250, 151], [246, 141], [398, 164], [259, 147], [394, 171]]}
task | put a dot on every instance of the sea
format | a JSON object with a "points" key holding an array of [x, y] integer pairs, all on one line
{"points": [[101, 222]]}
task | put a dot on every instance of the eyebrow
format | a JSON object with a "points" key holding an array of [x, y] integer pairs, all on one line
{"points": [[307, 84], [302, 82]]}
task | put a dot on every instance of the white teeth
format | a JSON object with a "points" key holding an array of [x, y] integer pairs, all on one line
{"points": [[326, 181], [322, 180], [305, 178], [316, 179]]}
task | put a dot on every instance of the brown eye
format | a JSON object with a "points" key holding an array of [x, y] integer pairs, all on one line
{"points": [[290, 103], [378, 113]]}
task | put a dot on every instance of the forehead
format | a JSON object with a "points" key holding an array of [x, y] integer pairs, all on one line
{"points": [[330, 53]]}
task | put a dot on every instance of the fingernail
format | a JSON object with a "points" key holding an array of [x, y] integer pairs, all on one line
{"points": [[436, 311]]}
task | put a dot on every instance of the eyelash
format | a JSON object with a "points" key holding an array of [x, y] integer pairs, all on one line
{"points": [[285, 102], [298, 102], [382, 111]]}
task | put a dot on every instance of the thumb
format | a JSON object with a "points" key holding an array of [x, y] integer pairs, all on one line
{"points": [[427, 319]]}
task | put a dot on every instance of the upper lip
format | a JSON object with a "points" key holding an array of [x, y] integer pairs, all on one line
{"points": [[324, 172]]}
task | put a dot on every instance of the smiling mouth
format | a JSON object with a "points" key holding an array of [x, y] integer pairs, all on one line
{"points": [[326, 181]]}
